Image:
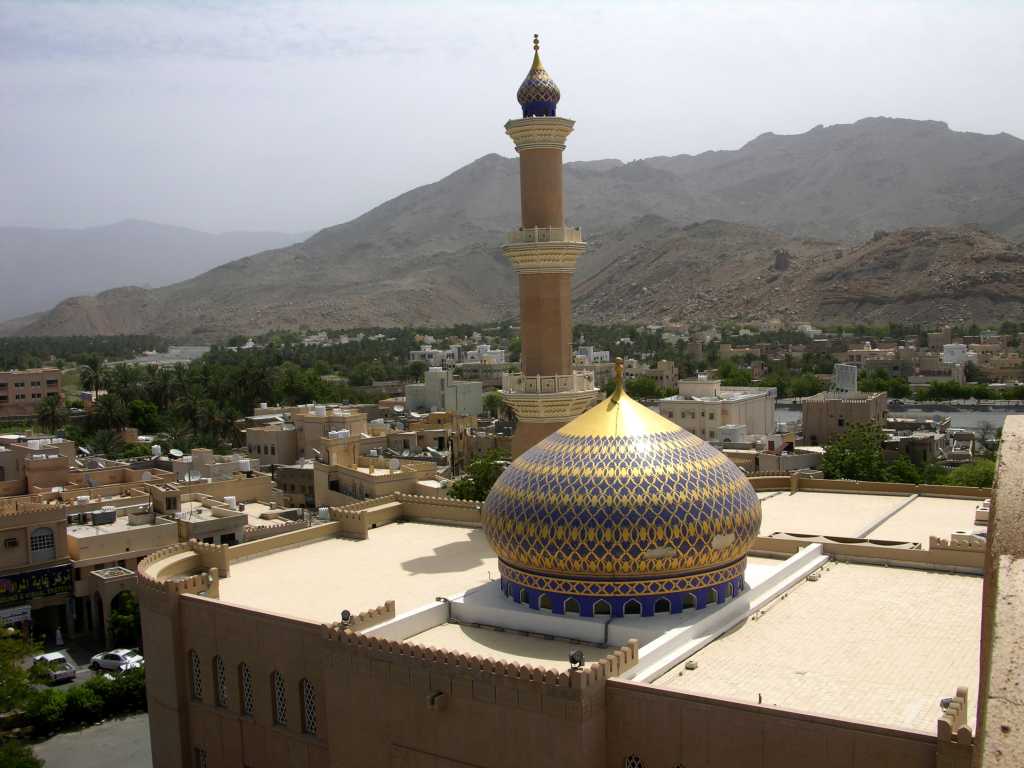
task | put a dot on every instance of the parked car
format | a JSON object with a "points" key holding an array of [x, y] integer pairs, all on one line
{"points": [[117, 660], [57, 667]]}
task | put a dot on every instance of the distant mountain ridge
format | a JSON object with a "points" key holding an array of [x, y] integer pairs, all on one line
{"points": [[40, 267], [432, 255]]}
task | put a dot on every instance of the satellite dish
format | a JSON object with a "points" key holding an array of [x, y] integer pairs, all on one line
{"points": [[576, 659], [147, 476], [176, 453], [346, 617]]}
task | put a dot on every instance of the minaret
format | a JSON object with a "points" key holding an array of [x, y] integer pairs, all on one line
{"points": [[547, 393]]}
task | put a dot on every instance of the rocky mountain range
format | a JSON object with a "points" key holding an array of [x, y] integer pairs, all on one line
{"points": [[40, 267], [882, 219]]}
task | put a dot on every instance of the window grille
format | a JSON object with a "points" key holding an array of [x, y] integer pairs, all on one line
{"points": [[200, 755], [220, 680], [280, 702], [197, 676], [41, 545], [248, 700], [633, 761], [309, 722]]}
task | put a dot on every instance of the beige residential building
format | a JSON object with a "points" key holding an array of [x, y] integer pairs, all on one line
{"points": [[704, 406], [828, 414], [21, 391], [35, 570]]}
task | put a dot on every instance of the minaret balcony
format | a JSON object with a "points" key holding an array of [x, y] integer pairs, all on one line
{"points": [[557, 398], [544, 249], [545, 235]]}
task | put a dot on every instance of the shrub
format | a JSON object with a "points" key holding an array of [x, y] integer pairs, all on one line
{"points": [[45, 710], [14, 754], [128, 691], [84, 705]]}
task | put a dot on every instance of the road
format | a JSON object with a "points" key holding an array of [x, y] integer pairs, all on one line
{"points": [[123, 743]]}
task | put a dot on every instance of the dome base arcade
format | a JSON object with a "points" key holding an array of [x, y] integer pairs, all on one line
{"points": [[621, 597]]}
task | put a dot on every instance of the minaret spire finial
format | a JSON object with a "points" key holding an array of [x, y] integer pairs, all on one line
{"points": [[536, 41], [619, 376]]}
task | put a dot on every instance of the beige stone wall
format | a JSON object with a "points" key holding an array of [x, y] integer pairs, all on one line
{"points": [[670, 728]]}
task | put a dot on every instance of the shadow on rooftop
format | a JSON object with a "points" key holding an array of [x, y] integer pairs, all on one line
{"points": [[457, 556]]}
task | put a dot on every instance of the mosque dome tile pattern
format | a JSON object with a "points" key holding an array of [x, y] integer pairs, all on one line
{"points": [[622, 505], [538, 95]]}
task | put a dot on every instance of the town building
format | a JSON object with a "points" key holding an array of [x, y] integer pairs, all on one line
{"points": [[704, 407], [664, 374], [441, 391], [828, 414], [21, 391]]}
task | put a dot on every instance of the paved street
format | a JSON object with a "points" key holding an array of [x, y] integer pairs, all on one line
{"points": [[123, 743]]}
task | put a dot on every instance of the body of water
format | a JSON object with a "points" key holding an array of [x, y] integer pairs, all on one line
{"points": [[964, 419]]}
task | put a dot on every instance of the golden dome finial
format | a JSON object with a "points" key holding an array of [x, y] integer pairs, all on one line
{"points": [[619, 376], [536, 41]]}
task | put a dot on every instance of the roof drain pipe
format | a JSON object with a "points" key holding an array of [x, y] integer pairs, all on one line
{"points": [[609, 621]]}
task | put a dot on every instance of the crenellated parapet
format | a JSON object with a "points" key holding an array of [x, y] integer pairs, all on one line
{"points": [[955, 741], [484, 678]]}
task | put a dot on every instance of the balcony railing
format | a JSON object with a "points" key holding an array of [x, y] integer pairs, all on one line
{"points": [[517, 383], [546, 235]]}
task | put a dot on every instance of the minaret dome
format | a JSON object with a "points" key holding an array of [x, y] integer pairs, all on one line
{"points": [[538, 95]]}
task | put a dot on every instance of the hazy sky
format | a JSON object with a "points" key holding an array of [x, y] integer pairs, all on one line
{"points": [[283, 116]]}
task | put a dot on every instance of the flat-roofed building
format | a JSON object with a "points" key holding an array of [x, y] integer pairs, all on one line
{"points": [[21, 391], [704, 406], [828, 414], [35, 570]]}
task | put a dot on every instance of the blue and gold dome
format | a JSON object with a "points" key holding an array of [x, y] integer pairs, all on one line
{"points": [[621, 511], [538, 95]]}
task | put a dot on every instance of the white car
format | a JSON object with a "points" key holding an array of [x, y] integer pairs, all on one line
{"points": [[59, 669], [117, 660]]}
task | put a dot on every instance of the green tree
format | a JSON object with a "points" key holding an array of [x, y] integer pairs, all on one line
{"points": [[51, 413], [14, 754], [125, 624], [479, 477], [902, 470], [855, 455], [978, 474], [144, 416], [493, 403], [14, 680]]}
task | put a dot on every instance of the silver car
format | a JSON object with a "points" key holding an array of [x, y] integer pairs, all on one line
{"points": [[117, 660], [57, 667]]}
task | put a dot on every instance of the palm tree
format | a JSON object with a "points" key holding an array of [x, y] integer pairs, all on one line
{"points": [[51, 413]]}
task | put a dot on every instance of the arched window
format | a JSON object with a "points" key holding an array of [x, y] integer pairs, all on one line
{"points": [[544, 602], [633, 761], [602, 608], [632, 608], [689, 601], [247, 701], [728, 589], [220, 682], [280, 700], [41, 545], [524, 598], [309, 724], [197, 675], [713, 596], [663, 606], [572, 605]]}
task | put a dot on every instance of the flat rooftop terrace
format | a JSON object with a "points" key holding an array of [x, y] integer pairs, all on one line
{"points": [[505, 645], [410, 563], [879, 645], [830, 514], [864, 515]]}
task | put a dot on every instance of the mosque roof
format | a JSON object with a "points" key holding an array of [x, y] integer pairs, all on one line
{"points": [[621, 493], [538, 95]]}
